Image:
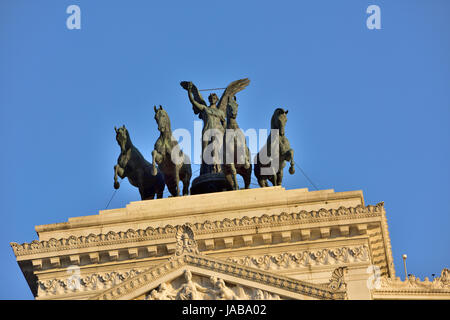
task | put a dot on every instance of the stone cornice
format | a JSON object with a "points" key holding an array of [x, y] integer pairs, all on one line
{"points": [[223, 203], [319, 291], [206, 227], [388, 247]]}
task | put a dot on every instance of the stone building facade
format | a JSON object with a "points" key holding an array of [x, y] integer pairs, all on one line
{"points": [[265, 243]]}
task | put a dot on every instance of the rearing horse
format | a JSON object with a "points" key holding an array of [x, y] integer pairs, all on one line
{"points": [[285, 153], [131, 164], [235, 147], [166, 148]]}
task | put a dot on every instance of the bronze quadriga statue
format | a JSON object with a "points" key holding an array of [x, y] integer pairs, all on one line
{"points": [[131, 164], [174, 164], [212, 178], [224, 150], [269, 162]]}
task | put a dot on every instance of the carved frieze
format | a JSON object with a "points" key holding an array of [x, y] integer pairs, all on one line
{"points": [[150, 233], [75, 282], [199, 288], [305, 258]]}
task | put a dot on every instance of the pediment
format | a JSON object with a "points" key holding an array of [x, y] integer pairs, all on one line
{"points": [[200, 286], [194, 276]]}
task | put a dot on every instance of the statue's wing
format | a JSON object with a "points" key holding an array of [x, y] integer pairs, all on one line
{"points": [[230, 91], [197, 95]]}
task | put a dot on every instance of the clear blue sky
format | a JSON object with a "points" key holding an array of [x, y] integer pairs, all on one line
{"points": [[368, 109]]}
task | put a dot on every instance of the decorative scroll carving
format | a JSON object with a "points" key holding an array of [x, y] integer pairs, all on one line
{"points": [[199, 288], [185, 241], [205, 227], [441, 283], [305, 258], [96, 281], [337, 281]]}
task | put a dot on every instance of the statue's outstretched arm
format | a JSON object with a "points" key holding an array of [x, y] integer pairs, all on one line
{"points": [[196, 99], [195, 104], [200, 288]]}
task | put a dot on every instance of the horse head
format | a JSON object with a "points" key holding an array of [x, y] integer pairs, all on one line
{"points": [[123, 137], [279, 120], [162, 119], [232, 108]]}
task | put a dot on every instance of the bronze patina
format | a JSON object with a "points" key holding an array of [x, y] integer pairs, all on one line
{"points": [[174, 164], [283, 152], [132, 164]]}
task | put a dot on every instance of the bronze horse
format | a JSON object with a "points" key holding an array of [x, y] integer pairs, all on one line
{"points": [[235, 147], [274, 171], [131, 164], [174, 164]]}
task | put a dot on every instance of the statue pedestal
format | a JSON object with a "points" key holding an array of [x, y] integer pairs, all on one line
{"points": [[209, 182]]}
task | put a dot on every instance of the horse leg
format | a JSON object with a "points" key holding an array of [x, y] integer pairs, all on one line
{"points": [[279, 174], [159, 185], [177, 180], [273, 179], [143, 194], [185, 185], [227, 173], [172, 189], [263, 183], [247, 164], [230, 175], [290, 157], [116, 183], [170, 183], [257, 170], [186, 176], [118, 171], [233, 177], [247, 176], [156, 158]]}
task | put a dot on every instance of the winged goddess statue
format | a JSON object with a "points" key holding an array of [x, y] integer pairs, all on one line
{"points": [[213, 117]]}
